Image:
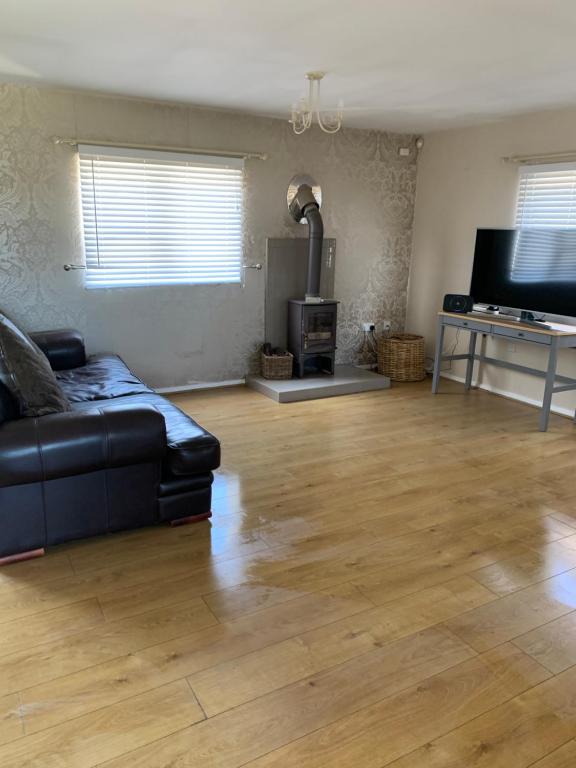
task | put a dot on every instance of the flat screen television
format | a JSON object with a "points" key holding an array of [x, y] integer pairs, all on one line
{"points": [[526, 269]]}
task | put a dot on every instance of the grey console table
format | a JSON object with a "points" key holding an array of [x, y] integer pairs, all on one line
{"points": [[554, 338]]}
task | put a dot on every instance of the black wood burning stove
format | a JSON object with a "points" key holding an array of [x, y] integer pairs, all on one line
{"points": [[311, 321], [312, 336]]}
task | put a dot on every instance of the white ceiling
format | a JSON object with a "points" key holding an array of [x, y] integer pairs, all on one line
{"points": [[408, 65]]}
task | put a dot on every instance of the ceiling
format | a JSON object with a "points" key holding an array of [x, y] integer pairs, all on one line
{"points": [[407, 65]]}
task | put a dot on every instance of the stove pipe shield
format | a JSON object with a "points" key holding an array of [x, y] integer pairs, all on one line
{"points": [[304, 205]]}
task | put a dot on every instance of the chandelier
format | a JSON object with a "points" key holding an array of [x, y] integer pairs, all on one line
{"points": [[307, 108]]}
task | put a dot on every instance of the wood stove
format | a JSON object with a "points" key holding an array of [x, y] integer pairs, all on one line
{"points": [[312, 320], [312, 336]]}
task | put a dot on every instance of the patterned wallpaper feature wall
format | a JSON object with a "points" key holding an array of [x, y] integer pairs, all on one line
{"points": [[186, 334]]}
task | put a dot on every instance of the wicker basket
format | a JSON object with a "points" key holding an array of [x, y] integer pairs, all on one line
{"points": [[277, 366], [401, 357]]}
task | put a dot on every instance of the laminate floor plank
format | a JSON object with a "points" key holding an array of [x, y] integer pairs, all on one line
{"points": [[49, 626], [512, 574], [103, 684], [209, 544], [379, 734], [52, 660], [35, 572], [563, 757], [11, 719], [243, 734], [107, 733], [516, 614], [371, 564], [240, 680], [516, 734], [111, 581], [553, 644]]}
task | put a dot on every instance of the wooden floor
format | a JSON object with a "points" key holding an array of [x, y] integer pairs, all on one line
{"points": [[388, 579]]}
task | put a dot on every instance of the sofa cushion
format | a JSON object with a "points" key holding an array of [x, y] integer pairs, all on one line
{"points": [[191, 449], [26, 372], [103, 377]]}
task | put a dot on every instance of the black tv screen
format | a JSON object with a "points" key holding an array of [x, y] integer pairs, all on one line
{"points": [[530, 269]]}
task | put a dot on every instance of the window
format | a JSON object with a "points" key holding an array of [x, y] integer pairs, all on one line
{"points": [[546, 217], [160, 218]]}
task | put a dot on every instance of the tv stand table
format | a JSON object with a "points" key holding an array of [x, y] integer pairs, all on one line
{"points": [[553, 338]]}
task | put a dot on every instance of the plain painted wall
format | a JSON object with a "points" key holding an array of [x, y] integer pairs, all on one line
{"points": [[463, 184]]}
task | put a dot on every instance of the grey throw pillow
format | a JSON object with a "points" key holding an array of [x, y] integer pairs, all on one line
{"points": [[26, 372]]}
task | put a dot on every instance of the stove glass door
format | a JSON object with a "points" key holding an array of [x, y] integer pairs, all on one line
{"points": [[319, 326]]}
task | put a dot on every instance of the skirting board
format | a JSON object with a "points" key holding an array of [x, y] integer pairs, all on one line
{"points": [[558, 409], [200, 385]]}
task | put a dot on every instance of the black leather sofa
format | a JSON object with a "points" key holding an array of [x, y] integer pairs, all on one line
{"points": [[123, 457]]}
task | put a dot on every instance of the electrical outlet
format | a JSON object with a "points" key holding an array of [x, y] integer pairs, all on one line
{"points": [[386, 325], [368, 327]]}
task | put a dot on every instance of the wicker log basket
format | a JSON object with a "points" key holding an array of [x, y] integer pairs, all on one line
{"points": [[277, 366], [401, 357]]}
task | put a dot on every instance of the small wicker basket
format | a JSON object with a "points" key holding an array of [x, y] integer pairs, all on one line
{"points": [[401, 357], [277, 366]]}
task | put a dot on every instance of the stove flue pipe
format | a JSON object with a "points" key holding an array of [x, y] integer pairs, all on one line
{"points": [[304, 205]]}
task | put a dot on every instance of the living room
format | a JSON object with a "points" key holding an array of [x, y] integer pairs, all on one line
{"points": [[232, 538]]}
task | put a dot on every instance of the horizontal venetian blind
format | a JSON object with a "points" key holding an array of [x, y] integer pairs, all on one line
{"points": [[546, 218], [160, 218]]}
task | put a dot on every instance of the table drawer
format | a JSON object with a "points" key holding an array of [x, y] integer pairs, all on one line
{"points": [[470, 325], [521, 334]]}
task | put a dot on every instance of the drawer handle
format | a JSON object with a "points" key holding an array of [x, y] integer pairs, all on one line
{"points": [[520, 333], [465, 322]]}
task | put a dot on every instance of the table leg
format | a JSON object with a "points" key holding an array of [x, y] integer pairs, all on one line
{"points": [[481, 356], [438, 354], [549, 385], [470, 363]]}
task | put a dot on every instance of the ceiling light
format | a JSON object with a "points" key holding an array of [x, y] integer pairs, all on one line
{"points": [[307, 108]]}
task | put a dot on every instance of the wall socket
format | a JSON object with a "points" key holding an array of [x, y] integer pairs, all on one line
{"points": [[385, 325]]}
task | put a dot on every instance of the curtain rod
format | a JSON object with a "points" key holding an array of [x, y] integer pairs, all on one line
{"points": [[188, 150], [544, 157]]}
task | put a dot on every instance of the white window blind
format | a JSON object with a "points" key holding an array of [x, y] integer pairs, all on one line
{"points": [[546, 217], [160, 218]]}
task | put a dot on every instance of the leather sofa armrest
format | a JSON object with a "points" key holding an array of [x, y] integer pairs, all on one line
{"points": [[75, 442], [64, 348]]}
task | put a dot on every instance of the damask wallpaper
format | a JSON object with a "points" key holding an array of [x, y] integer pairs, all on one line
{"points": [[186, 334]]}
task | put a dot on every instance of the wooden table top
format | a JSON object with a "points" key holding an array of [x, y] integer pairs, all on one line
{"points": [[556, 329]]}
